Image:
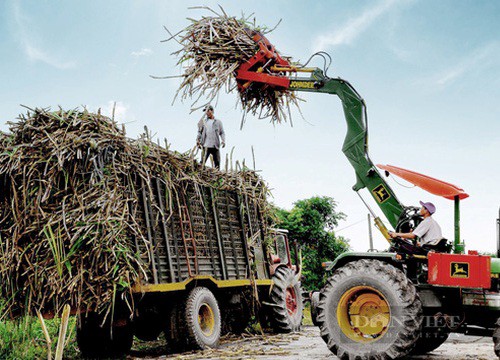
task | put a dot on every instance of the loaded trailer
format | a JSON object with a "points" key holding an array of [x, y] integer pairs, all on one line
{"points": [[212, 265], [138, 240]]}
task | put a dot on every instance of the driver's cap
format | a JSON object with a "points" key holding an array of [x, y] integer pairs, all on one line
{"points": [[429, 206]]}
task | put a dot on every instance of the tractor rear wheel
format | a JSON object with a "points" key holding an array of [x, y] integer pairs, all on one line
{"points": [[431, 338], [369, 310], [286, 305], [96, 341]]}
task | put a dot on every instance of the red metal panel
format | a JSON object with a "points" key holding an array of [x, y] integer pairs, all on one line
{"points": [[457, 270], [281, 81]]}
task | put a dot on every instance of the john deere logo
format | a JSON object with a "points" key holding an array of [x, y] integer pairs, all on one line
{"points": [[302, 84], [459, 270], [381, 193]]}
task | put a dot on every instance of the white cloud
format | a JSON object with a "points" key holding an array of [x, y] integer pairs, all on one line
{"points": [[142, 52], [120, 110], [477, 58], [354, 27], [36, 54], [402, 54], [32, 51]]}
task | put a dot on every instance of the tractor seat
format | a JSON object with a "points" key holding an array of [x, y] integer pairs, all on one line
{"points": [[404, 246], [407, 247], [441, 245]]}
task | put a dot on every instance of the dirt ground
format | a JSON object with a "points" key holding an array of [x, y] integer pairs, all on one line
{"points": [[308, 345]]}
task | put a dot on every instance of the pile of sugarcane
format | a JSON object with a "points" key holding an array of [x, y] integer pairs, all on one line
{"points": [[213, 48], [66, 201]]}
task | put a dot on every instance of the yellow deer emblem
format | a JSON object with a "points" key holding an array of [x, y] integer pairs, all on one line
{"points": [[381, 193], [459, 270]]}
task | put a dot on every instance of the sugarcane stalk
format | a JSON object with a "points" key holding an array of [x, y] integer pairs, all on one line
{"points": [[62, 332], [46, 334]]}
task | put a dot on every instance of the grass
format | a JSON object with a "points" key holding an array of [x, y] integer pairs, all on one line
{"points": [[24, 339], [307, 320]]}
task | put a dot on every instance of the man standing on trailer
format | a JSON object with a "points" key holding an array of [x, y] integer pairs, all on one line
{"points": [[211, 136]]}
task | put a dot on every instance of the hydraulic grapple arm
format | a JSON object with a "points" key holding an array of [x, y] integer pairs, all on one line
{"points": [[267, 68]]}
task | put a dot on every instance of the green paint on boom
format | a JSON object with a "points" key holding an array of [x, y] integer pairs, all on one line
{"points": [[355, 145]]}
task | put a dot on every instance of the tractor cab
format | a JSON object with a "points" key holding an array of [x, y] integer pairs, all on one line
{"points": [[280, 253]]}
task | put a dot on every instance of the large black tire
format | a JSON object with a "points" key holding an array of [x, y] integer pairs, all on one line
{"points": [[286, 305], [175, 329], [314, 307], [496, 338], [432, 337], [235, 319], [195, 322], [96, 341], [428, 342], [369, 310], [148, 324]]}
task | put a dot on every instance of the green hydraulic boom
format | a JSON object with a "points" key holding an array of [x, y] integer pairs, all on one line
{"points": [[268, 69], [355, 145]]}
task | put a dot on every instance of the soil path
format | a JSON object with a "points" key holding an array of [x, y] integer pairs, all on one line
{"points": [[308, 345]]}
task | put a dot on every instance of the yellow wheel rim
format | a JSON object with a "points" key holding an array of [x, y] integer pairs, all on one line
{"points": [[363, 314], [206, 319]]}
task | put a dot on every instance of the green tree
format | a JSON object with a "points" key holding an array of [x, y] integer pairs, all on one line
{"points": [[311, 223]]}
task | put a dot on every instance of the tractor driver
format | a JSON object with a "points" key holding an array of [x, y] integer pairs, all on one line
{"points": [[428, 231]]}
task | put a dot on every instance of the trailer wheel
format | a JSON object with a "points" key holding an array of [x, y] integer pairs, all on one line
{"points": [[369, 309], [96, 341], [148, 324], [235, 320], [196, 322], [286, 305], [175, 329], [496, 338]]}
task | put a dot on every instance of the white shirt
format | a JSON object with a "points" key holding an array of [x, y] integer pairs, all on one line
{"points": [[428, 231], [211, 137], [210, 132]]}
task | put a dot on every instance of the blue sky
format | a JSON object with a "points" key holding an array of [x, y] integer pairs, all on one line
{"points": [[429, 72]]}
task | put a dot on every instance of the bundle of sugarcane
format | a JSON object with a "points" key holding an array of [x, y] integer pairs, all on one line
{"points": [[66, 203], [213, 48]]}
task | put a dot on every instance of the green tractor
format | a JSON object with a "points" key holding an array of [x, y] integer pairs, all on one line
{"points": [[406, 300]]}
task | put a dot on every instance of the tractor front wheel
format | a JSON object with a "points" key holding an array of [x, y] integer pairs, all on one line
{"points": [[369, 310]]}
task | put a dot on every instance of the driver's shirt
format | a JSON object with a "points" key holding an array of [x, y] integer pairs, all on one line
{"points": [[428, 231]]}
